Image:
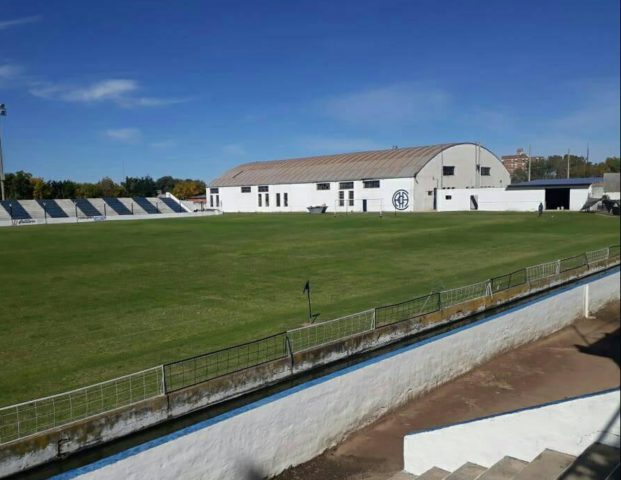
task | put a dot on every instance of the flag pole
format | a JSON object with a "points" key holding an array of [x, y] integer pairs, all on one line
{"points": [[307, 290]]}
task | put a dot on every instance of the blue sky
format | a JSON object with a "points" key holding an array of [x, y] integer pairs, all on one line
{"points": [[191, 88]]}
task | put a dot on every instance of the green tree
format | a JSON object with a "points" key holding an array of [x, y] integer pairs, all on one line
{"points": [[188, 188], [109, 188], [18, 185], [140, 186]]}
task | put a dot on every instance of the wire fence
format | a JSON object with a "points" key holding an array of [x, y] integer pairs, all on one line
{"points": [[305, 338], [199, 369], [18, 421], [27, 418], [448, 298], [407, 310]]}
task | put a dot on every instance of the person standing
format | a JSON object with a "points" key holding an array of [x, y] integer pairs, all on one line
{"points": [[540, 209]]}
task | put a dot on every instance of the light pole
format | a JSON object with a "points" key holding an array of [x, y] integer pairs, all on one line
{"points": [[2, 114]]}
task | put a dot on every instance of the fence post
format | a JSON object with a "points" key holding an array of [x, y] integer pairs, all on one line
{"points": [[289, 349], [374, 319], [164, 387], [488, 288], [558, 267]]}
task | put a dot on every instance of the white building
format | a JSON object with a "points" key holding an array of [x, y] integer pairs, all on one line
{"points": [[402, 179]]}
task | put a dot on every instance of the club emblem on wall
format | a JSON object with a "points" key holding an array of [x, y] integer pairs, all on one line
{"points": [[401, 199]]}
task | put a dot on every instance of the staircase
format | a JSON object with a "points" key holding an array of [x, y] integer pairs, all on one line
{"points": [[598, 462]]}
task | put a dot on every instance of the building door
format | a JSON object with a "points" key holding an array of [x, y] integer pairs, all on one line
{"points": [[474, 202], [557, 198], [364, 205]]}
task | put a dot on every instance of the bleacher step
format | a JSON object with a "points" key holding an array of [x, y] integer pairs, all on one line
{"points": [[597, 462], [504, 469], [468, 471], [548, 465], [434, 473]]}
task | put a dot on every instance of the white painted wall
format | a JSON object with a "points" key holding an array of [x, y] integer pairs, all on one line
{"points": [[294, 426], [577, 198], [465, 159], [420, 189], [569, 427], [490, 199]]}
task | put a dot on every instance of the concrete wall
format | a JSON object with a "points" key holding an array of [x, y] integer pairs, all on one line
{"points": [[291, 427], [569, 426], [490, 199], [465, 159]]}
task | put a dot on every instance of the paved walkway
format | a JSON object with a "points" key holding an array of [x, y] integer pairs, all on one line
{"points": [[580, 359]]}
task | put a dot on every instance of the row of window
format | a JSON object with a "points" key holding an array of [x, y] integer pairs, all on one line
{"points": [[448, 171], [264, 199]]}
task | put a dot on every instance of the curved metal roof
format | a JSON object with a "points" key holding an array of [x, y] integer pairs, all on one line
{"points": [[393, 163]]}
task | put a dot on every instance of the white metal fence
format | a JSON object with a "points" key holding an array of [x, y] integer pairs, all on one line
{"points": [[463, 294], [27, 418], [304, 338], [21, 420]]}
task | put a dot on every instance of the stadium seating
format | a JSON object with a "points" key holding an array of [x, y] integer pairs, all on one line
{"points": [[172, 205], [116, 205], [15, 210], [52, 208], [146, 205], [87, 207]]}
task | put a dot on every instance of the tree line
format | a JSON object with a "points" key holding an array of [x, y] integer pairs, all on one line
{"points": [[555, 166], [24, 186]]}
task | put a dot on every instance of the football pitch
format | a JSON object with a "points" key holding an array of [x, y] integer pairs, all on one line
{"points": [[88, 302]]}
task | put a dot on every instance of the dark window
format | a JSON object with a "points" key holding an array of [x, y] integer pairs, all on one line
{"points": [[371, 183], [246, 189], [351, 198], [323, 186], [217, 200], [341, 198], [267, 199], [214, 190], [485, 171], [286, 199], [346, 185], [448, 171], [264, 188], [278, 199], [260, 200], [211, 200], [429, 193], [448, 197]]}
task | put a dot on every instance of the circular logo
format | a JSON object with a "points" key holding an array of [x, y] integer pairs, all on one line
{"points": [[401, 199]]}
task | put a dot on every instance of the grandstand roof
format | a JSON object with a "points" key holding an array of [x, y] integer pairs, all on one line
{"points": [[392, 163], [557, 183]]}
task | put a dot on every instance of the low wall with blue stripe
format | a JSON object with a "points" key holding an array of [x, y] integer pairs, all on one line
{"points": [[264, 438]]}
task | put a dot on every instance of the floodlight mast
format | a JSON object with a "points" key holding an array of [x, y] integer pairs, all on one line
{"points": [[2, 114]]}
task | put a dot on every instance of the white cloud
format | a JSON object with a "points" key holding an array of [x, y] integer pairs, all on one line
{"points": [[9, 71], [234, 149], [121, 91], [17, 22], [393, 104], [124, 135]]}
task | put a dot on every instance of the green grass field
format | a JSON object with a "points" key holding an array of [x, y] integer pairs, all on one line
{"points": [[88, 302]]}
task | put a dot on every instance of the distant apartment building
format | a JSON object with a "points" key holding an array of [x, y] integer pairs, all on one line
{"points": [[518, 161]]}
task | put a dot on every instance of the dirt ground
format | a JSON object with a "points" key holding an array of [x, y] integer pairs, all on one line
{"points": [[579, 359]]}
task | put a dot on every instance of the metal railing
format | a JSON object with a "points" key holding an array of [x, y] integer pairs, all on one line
{"points": [[21, 420], [305, 338], [398, 312], [199, 369], [27, 418]]}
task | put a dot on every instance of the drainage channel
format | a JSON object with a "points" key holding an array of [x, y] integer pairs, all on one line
{"points": [[92, 454]]}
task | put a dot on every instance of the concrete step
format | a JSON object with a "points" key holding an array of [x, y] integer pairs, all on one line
{"points": [[548, 465], [596, 462], [468, 471], [434, 473], [504, 469]]}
